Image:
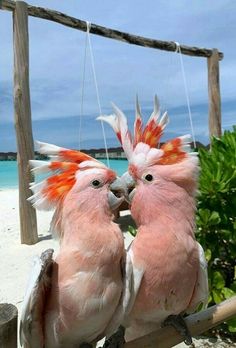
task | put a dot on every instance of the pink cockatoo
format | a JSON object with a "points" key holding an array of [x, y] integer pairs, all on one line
{"points": [[165, 263], [72, 300]]}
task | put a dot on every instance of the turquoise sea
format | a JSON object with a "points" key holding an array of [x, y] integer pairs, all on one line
{"points": [[9, 175]]}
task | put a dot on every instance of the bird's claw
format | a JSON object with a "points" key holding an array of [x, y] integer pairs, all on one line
{"points": [[180, 326], [116, 340]]}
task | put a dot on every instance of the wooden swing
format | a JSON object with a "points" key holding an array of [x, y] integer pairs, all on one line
{"points": [[166, 337]]}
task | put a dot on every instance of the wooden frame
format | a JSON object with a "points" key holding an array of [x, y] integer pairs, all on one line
{"points": [[23, 124], [167, 337], [8, 325]]}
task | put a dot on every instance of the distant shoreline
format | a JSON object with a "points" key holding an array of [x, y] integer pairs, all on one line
{"points": [[102, 158], [115, 153]]}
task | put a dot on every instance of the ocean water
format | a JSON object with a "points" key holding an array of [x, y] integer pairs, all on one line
{"points": [[9, 173]]}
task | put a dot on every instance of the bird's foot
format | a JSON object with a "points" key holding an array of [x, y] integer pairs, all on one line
{"points": [[117, 340], [177, 321]]}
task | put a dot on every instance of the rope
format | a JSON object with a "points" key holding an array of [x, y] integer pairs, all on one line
{"points": [[82, 91], [97, 92], [178, 50]]}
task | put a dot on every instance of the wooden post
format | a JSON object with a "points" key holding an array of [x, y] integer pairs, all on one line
{"points": [[214, 94], [8, 326], [23, 126]]}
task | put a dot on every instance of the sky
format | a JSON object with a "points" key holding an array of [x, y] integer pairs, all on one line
{"points": [[61, 74]]}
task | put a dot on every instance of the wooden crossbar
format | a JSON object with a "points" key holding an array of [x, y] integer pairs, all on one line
{"points": [[79, 24]]}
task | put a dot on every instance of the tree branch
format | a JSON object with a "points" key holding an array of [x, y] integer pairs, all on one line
{"points": [[197, 324]]}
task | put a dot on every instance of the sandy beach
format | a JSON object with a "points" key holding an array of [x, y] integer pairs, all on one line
{"points": [[16, 258]]}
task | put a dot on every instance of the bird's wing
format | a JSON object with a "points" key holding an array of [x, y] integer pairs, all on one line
{"points": [[131, 282], [31, 322], [136, 279], [201, 291]]}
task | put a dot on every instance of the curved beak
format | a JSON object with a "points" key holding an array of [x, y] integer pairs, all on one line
{"points": [[129, 183], [116, 194]]}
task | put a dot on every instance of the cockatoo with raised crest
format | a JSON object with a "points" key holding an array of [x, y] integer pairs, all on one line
{"points": [[72, 300], [167, 266]]}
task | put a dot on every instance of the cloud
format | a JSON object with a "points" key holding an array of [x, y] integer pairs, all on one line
{"points": [[64, 131]]}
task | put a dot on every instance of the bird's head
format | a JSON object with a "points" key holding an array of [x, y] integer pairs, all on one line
{"points": [[77, 183], [156, 172], [97, 188]]}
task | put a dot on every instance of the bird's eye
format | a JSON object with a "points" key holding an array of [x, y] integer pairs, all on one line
{"points": [[96, 183], [148, 177]]}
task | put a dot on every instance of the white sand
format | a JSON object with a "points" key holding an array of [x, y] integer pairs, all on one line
{"points": [[16, 258]]}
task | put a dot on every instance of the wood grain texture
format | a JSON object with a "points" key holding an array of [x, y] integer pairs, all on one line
{"points": [[8, 326], [23, 125], [214, 94], [75, 23], [197, 324]]}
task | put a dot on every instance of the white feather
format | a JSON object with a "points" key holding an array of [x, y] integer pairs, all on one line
{"points": [[48, 149], [156, 111], [137, 109], [153, 155], [164, 120], [34, 274], [201, 292], [132, 281], [138, 160], [123, 126], [137, 276], [39, 201], [186, 148], [141, 148], [36, 187], [91, 164], [112, 120], [31, 327], [39, 167], [186, 139], [42, 203]]}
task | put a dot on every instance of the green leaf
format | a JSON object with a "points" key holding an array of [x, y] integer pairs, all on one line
{"points": [[209, 299], [204, 215], [227, 292], [132, 230], [233, 286], [208, 255], [214, 218], [218, 281], [226, 234], [217, 296], [232, 324]]}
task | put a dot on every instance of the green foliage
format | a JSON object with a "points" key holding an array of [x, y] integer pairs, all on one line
{"points": [[216, 216], [132, 230]]}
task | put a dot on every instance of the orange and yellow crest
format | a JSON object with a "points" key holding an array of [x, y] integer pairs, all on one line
{"points": [[63, 168], [173, 151]]}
